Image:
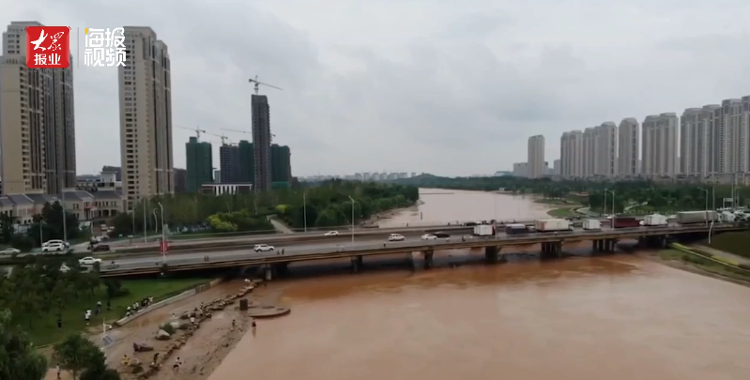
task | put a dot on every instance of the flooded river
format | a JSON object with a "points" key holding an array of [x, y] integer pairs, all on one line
{"points": [[614, 317]]}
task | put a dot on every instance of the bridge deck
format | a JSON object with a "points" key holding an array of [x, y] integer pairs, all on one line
{"points": [[433, 245]]}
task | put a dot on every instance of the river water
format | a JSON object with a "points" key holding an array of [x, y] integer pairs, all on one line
{"points": [[614, 317], [451, 206]]}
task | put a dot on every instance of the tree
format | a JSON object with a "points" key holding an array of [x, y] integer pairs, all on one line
{"points": [[19, 360], [6, 227], [97, 369], [76, 354]]}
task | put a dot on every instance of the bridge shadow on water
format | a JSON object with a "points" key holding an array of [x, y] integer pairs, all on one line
{"points": [[414, 263]]}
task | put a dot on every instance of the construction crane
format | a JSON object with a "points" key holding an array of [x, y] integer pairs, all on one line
{"points": [[197, 130], [257, 84], [222, 137], [239, 131]]}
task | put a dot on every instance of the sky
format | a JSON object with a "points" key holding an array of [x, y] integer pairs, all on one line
{"points": [[443, 87]]}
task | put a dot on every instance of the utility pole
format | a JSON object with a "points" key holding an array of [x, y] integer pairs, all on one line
{"points": [[304, 209], [352, 199]]}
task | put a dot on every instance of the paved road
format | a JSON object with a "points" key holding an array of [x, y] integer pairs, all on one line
{"points": [[316, 248]]}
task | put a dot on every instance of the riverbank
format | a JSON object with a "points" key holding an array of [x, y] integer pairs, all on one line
{"points": [[697, 264], [201, 346], [374, 219]]}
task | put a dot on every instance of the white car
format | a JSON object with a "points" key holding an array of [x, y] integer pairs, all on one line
{"points": [[10, 251], [396, 237], [332, 233], [89, 261], [263, 248], [54, 247], [429, 237], [55, 242]]}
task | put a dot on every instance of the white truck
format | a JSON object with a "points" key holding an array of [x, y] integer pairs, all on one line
{"points": [[484, 230], [592, 225], [655, 220], [552, 225], [693, 217]]}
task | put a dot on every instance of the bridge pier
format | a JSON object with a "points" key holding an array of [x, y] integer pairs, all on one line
{"points": [[492, 254], [428, 258], [551, 250], [268, 272], [604, 245], [357, 263]]}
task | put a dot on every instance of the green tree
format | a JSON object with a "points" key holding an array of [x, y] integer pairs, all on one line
{"points": [[6, 227], [76, 354], [97, 369], [19, 360]]}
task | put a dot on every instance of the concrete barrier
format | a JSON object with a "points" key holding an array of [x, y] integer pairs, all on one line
{"points": [[188, 293], [724, 262]]}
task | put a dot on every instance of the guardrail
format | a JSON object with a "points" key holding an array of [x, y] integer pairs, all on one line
{"points": [[217, 261]]}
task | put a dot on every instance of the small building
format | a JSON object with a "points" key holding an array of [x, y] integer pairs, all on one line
{"points": [[225, 188]]}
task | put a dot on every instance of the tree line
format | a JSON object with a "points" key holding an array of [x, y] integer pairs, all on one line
{"points": [[46, 225], [20, 360], [641, 195], [323, 204]]}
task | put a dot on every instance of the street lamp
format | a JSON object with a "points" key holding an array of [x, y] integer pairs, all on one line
{"points": [[604, 204], [705, 191], [613, 200], [156, 220], [163, 238], [304, 208], [353, 201]]}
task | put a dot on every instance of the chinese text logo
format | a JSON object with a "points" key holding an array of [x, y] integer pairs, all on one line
{"points": [[48, 47], [104, 47]]}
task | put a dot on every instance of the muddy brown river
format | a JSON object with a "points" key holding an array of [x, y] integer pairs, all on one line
{"points": [[614, 317]]}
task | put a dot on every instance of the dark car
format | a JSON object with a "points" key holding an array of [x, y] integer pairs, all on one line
{"points": [[101, 248], [441, 234]]}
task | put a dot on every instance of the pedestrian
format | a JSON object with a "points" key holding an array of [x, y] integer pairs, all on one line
{"points": [[156, 357], [59, 322], [109, 305], [233, 323], [282, 251], [87, 316], [57, 367], [176, 364]]}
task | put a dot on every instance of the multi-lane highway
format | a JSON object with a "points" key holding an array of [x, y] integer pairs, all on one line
{"points": [[363, 244]]}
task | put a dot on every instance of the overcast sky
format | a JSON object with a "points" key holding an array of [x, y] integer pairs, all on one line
{"points": [[444, 87]]}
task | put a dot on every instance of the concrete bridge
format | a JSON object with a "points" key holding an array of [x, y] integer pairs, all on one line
{"points": [[551, 246]]}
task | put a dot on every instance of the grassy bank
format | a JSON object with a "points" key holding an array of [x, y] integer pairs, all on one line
{"points": [[704, 264], [564, 212], [44, 329], [737, 243]]}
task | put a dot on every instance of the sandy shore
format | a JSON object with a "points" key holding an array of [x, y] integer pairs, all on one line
{"points": [[201, 349]]}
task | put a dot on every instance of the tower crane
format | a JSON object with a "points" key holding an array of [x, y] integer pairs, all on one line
{"points": [[197, 130], [222, 137], [240, 131], [257, 84]]}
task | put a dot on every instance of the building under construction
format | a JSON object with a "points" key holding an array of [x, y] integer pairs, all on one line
{"points": [[199, 162]]}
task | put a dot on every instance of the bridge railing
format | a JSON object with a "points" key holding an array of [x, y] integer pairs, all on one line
{"points": [[417, 244]]}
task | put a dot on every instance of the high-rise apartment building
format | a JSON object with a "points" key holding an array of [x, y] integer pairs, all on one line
{"points": [[145, 117], [743, 137], [694, 143], [261, 143], [536, 157], [589, 152], [660, 145], [521, 169], [199, 164], [229, 163], [247, 162], [605, 163], [628, 147], [37, 122], [571, 155], [281, 163], [733, 137]]}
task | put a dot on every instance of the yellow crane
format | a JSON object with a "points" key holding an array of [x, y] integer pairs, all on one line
{"points": [[222, 137]]}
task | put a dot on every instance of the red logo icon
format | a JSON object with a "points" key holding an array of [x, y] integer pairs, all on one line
{"points": [[47, 47]]}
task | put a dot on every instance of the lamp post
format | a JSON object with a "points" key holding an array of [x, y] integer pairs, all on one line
{"points": [[145, 225], [604, 204], [163, 238], [156, 220], [613, 200], [353, 201], [304, 208], [64, 217], [706, 214]]}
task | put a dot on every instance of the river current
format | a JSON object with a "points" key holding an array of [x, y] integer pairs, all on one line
{"points": [[612, 317]]}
